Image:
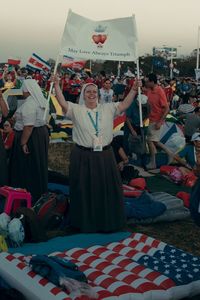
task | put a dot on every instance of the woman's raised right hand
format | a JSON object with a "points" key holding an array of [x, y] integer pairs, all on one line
{"points": [[55, 79]]}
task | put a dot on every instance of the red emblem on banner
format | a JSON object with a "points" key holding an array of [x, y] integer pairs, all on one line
{"points": [[99, 37]]}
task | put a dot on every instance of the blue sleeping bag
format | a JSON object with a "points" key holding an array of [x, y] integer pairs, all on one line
{"points": [[143, 207]]}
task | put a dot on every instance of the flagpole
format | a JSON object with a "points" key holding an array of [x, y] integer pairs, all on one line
{"points": [[51, 87], [54, 73], [90, 65], [138, 77], [118, 69], [198, 37], [139, 92], [197, 61]]}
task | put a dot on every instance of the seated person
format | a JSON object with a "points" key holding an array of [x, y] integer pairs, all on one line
{"points": [[192, 123], [189, 157], [120, 155], [127, 171]]}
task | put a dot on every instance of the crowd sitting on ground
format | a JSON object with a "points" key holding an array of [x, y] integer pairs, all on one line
{"points": [[24, 135]]}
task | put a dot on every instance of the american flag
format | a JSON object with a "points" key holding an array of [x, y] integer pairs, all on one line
{"points": [[136, 268]]}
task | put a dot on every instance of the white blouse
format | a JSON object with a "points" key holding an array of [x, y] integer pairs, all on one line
{"points": [[29, 114], [84, 132], [106, 96]]}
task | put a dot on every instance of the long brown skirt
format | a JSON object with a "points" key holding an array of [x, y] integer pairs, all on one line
{"points": [[31, 171], [96, 201], [3, 164]]}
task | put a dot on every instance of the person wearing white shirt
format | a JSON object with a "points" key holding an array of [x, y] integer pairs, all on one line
{"points": [[96, 201], [106, 93], [29, 155]]}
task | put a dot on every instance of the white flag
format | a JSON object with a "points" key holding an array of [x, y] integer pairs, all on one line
{"points": [[114, 39]]}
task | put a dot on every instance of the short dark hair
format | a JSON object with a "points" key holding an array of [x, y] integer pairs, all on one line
{"points": [[152, 77]]}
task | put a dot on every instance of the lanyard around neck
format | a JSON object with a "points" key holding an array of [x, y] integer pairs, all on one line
{"points": [[94, 124]]}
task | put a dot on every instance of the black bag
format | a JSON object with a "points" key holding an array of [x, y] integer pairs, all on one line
{"points": [[128, 173], [195, 203], [34, 232], [137, 144]]}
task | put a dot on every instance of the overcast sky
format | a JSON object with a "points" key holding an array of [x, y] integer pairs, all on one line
{"points": [[28, 26]]}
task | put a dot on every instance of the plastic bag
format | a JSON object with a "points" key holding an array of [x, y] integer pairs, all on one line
{"points": [[77, 289], [16, 232], [176, 176], [4, 220], [137, 144], [175, 143]]}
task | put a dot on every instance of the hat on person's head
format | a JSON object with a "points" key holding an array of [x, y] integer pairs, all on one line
{"points": [[144, 99], [195, 137]]}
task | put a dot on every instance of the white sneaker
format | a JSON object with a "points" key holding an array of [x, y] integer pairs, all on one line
{"points": [[151, 166]]}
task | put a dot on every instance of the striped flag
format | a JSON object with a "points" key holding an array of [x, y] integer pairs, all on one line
{"points": [[70, 62], [35, 62]]}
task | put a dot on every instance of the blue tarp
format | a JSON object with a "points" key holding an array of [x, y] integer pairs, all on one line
{"points": [[69, 242]]}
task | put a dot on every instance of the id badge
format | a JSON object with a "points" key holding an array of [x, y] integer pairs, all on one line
{"points": [[97, 143]]}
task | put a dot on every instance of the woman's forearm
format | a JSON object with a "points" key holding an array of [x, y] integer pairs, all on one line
{"points": [[27, 130], [61, 100], [128, 100]]}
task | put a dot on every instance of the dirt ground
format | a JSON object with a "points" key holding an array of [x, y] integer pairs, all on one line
{"points": [[181, 234]]}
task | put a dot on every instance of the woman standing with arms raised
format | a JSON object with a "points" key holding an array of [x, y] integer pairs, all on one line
{"points": [[96, 202]]}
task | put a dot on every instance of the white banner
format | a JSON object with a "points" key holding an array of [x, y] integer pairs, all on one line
{"points": [[114, 39]]}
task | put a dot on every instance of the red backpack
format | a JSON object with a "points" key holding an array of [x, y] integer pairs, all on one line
{"points": [[47, 216], [51, 209]]}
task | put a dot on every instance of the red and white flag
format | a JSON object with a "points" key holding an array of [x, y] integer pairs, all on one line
{"points": [[37, 63], [70, 62], [14, 61]]}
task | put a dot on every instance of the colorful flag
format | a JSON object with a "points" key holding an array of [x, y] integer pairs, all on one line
{"points": [[13, 61], [70, 62], [114, 39], [35, 62]]}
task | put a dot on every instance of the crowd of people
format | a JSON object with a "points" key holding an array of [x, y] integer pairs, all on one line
{"points": [[92, 101]]}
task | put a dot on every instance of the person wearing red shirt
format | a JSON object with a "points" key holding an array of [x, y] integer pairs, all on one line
{"points": [[65, 86], [88, 78], [7, 136], [168, 92], [74, 88], [129, 82], [159, 109], [38, 77]]}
